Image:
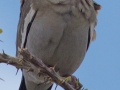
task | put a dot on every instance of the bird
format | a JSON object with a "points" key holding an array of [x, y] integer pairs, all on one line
{"points": [[58, 32]]}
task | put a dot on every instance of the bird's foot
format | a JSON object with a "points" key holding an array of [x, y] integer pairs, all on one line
{"points": [[20, 61], [72, 80]]}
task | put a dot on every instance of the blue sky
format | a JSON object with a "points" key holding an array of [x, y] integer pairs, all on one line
{"points": [[100, 69]]}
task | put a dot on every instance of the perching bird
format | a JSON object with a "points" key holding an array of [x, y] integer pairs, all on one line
{"points": [[56, 31]]}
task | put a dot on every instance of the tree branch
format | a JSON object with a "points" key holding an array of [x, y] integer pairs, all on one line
{"points": [[14, 61], [28, 59]]}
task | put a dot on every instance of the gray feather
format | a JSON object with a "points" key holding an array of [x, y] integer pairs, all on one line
{"points": [[59, 35]]}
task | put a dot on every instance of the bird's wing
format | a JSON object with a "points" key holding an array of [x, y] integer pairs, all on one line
{"points": [[23, 10], [27, 16], [25, 7]]}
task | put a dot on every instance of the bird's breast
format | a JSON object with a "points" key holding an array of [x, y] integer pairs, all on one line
{"points": [[59, 40]]}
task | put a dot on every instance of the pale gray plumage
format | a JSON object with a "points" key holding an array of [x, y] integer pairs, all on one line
{"points": [[56, 31]]}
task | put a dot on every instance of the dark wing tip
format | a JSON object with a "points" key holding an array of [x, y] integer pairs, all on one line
{"points": [[22, 85]]}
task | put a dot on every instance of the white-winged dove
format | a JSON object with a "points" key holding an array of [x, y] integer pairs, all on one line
{"points": [[58, 32]]}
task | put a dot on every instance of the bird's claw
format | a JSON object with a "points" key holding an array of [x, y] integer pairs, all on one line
{"points": [[20, 61], [72, 80]]}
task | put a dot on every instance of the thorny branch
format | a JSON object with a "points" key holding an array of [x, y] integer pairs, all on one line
{"points": [[28, 59], [14, 61]]}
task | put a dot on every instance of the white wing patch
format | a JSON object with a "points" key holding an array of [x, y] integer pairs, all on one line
{"points": [[92, 32], [27, 20]]}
